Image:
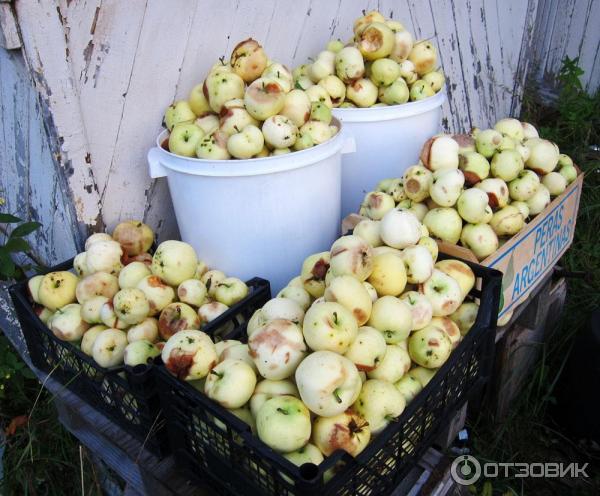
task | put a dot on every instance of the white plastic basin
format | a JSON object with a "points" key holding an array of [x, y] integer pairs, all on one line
{"points": [[388, 141], [257, 217]]}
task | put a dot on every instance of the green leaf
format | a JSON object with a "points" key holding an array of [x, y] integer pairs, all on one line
{"points": [[25, 229], [7, 266], [16, 244], [8, 219]]}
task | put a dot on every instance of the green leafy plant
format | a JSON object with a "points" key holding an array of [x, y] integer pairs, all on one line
{"points": [[15, 244]]}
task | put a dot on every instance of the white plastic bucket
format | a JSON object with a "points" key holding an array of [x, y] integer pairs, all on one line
{"points": [[388, 141], [257, 217]]}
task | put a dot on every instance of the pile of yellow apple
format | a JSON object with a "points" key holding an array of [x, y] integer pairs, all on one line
{"points": [[247, 108], [342, 349], [380, 65], [480, 188], [120, 303]]}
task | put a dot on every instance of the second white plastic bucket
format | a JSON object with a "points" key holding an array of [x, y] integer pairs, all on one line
{"points": [[258, 217], [388, 141]]}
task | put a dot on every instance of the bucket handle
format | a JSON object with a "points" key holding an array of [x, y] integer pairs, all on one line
{"points": [[349, 145], [156, 168]]}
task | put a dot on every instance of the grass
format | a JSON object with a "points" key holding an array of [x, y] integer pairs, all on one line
{"points": [[41, 458], [529, 434]]}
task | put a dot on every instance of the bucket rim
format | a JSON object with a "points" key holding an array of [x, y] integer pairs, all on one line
{"points": [[390, 112], [252, 166]]}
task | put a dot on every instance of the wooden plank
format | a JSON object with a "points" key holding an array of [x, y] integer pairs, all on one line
{"points": [[48, 61], [9, 30], [30, 184]]}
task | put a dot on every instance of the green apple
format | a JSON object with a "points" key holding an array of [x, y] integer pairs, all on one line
{"points": [[497, 191], [368, 349], [507, 164], [429, 347], [420, 90], [234, 117], [347, 431], [131, 306], [283, 424], [362, 92], [319, 94], [449, 327], [197, 101], [146, 330], [109, 346], [67, 324], [192, 291], [424, 56], [96, 284], [417, 181], [480, 239], [336, 89], [140, 353], [222, 87], [211, 280], [314, 269], [523, 208], [158, 294], [511, 128], [277, 348], [296, 107], [444, 224], [184, 139], [392, 317], [435, 79], [394, 364], [555, 182], [134, 236], [91, 308], [473, 207], [409, 387], [320, 112], [349, 64], [247, 143], [230, 291], [431, 245], [174, 262], [351, 294], [384, 72], [400, 228], [264, 97], [179, 113], [230, 383], [328, 383], [376, 41], [447, 187], [248, 60], [362, 22], [239, 351], [368, 230], [267, 389], [443, 292], [507, 221], [422, 374], [335, 45], [524, 186], [418, 262], [309, 453], [539, 201], [440, 152], [280, 132], [403, 45], [94, 238], [318, 131], [79, 266], [131, 275], [329, 326], [465, 316], [87, 341], [281, 74], [209, 123], [389, 274], [276, 308], [379, 403], [475, 166], [189, 355], [210, 311], [351, 255], [460, 272], [543, 156], [396, 93], [109, 317], [569, 172], [487, 142], [57, 289], [297, 294], [420, 308], [176, 317]]}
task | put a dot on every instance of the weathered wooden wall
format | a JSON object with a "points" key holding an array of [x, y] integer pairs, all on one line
{"points": [[106, 69], [31, 187], [567, 28]]}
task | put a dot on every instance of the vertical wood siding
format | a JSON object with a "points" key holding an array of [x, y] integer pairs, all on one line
{"points": [[106, 69], [30, 185], [567, 28]]}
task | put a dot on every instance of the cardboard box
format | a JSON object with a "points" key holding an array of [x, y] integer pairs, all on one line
{"points": [[529, 255]]}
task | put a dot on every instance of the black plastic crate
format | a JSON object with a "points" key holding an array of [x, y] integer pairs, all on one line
{"points": [[212, 444], [127, 395]]}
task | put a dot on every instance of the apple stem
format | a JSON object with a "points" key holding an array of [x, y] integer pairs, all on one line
{"points": [[336, 394], [213, 371], [335, 318], [281, 410]]}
